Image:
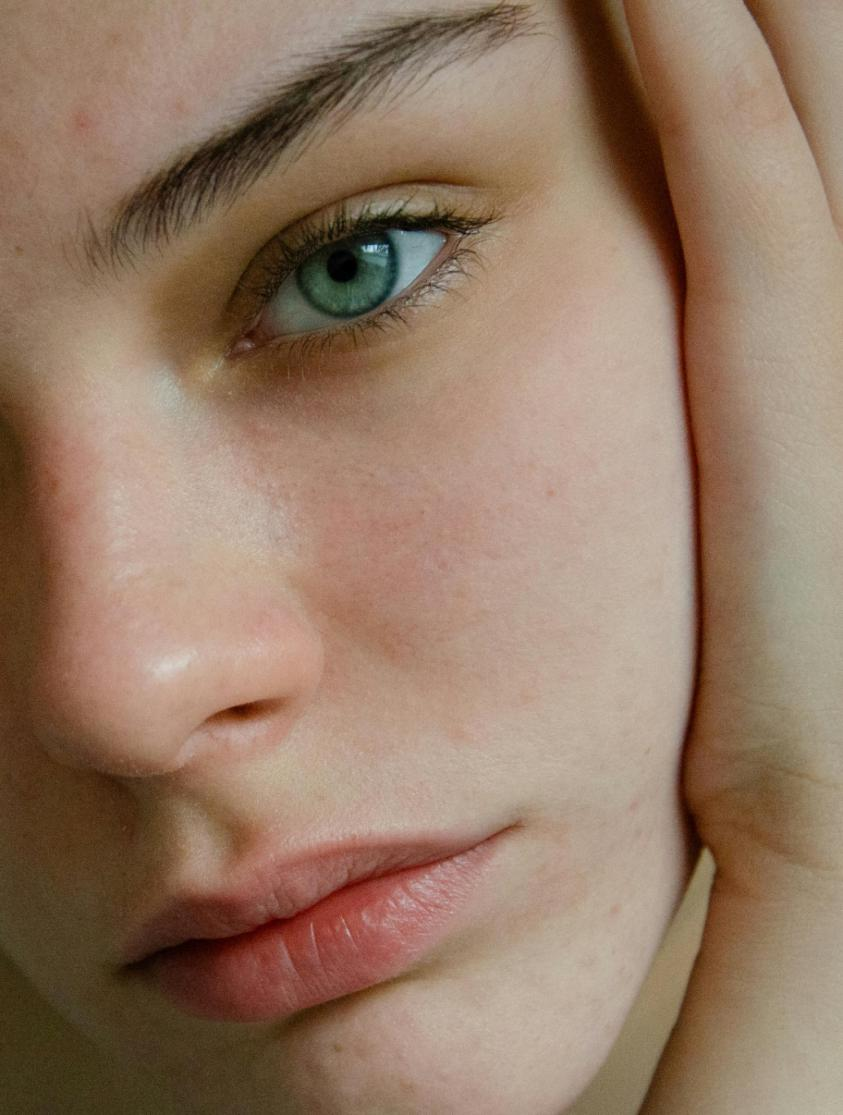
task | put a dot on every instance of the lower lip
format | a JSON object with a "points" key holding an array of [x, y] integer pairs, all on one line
{"points": [[353, 939]]}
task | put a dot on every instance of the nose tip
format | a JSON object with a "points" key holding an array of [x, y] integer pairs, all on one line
{"points": [[187, 686]]}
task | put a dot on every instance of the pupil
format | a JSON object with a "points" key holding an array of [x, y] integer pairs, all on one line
{"points": [[342, 265]]}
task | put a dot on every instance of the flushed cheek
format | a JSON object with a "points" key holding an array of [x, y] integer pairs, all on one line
{"points": [[428, 566]]}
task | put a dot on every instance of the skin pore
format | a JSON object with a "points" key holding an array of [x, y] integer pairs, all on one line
{"points": [[451, 568]]}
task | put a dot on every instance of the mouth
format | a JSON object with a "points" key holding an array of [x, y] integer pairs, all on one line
{"points": [[279, 887], [363, 917]]}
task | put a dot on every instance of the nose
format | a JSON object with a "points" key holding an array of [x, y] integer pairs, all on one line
{"points": [[155, 628]]}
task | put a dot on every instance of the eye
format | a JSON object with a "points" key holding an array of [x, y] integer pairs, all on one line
{"points": [[347, 276], [350, 278]]}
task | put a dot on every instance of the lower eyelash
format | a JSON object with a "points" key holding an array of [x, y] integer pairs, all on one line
{"points": [[309, 346]]}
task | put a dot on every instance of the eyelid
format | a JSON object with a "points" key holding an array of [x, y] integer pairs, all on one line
{"points": [[288, 249]]}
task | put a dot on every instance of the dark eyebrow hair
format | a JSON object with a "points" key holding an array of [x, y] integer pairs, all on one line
{"points": [[334, 85]]}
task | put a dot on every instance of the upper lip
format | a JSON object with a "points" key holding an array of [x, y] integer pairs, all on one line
{"points": [[281, 885]]}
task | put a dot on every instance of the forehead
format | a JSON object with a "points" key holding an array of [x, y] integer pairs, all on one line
{"points": [[95, 93]]}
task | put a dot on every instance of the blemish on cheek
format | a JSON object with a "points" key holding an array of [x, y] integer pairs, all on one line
{"points": [[461, 734], [528, 697], [81, 122]]}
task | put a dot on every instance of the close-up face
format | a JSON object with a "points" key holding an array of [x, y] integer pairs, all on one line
{"points": [[348, 502]]}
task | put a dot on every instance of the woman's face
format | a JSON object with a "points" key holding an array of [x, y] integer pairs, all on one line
{"points": [[263, 592]]}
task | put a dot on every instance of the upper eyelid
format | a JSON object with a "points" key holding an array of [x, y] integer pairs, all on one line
{"points": [[309, 237]]}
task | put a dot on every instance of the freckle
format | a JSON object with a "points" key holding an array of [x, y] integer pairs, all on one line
{"points": [[337, 1047], [81, 121], [18, 250]]}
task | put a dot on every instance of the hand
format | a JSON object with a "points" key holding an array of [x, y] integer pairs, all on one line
{"points": [[749, 108]]}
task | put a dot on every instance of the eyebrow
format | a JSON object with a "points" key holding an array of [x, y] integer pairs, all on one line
{"points": [[335, 85]]}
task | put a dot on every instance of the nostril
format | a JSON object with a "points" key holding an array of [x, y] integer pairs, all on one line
{"points": [[239, 714], [236, 730], [248, 711]]}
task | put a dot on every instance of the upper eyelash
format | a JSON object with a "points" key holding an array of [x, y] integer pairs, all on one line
{"points": [[289, 251]]}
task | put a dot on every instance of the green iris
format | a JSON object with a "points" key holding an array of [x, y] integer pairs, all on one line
{"points": [[350, 277]]}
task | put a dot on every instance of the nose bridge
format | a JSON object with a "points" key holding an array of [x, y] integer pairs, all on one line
{"points": [[152, 639], [104, 492], [100, 497]]}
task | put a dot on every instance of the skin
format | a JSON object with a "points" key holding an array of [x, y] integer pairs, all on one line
{"points": [[748, 103], [457, 568]]}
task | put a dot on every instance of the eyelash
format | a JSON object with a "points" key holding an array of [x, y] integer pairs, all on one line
{"points": [[287, 254]]}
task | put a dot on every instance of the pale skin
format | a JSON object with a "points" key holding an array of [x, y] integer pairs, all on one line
{"points": [[456, 572]]}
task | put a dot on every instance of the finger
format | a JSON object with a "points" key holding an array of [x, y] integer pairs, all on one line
{"points": [[746, 187], [764, 262], [807, 41], [764, 352]]}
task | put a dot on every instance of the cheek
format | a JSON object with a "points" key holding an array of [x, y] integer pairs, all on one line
{"points": [[531, 545]]}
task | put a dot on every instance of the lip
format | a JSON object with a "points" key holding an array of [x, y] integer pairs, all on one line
{"points": [[279, 886]]}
